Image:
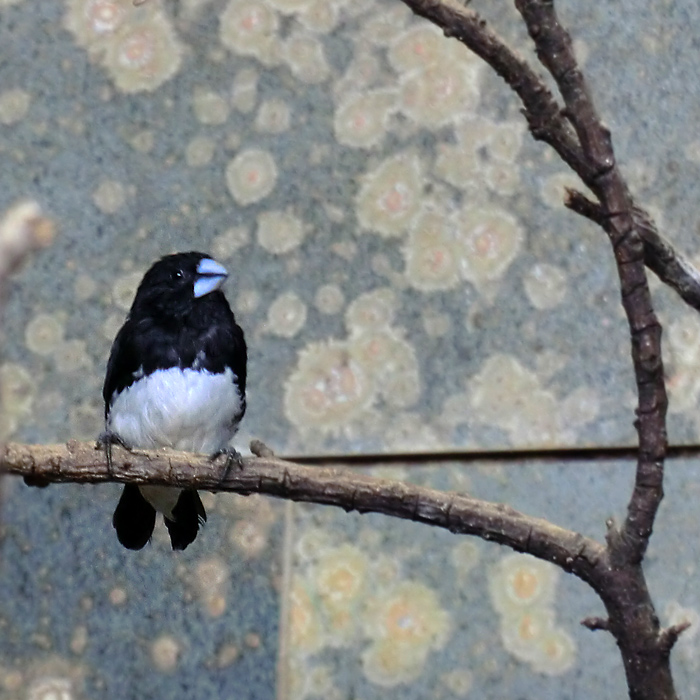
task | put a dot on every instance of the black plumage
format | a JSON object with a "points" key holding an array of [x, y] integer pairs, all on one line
{"points": [[134, 518], [176, 378]]}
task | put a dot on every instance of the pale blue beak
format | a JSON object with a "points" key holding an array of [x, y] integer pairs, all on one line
{"points": [[210, 276]]}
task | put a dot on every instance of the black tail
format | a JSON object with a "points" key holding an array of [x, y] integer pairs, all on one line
{"points": [[188, 515], [134, 518]]}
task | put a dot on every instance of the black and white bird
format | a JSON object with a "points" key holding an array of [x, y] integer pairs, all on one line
{"points": [[176, 378]]}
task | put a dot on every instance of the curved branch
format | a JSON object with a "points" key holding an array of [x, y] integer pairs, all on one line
{"points": [[80, 462], [670, 635], [549, 123], [544, 115]]}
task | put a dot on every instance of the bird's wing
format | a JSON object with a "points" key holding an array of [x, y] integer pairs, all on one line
{"points": [[237, 356], [123, 365], [223, 343]]}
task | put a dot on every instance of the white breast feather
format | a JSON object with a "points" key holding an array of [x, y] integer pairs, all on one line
{"points": [[183, 409]]}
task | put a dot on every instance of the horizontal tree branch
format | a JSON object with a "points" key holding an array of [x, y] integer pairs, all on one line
{"points": [[81, 462]]}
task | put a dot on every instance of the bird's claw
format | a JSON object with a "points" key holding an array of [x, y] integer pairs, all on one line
{"points": [[233, 457], [105, 440]]}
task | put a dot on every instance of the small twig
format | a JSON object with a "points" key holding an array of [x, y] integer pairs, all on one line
{"points": [[669, 635], [670, 266], [596, 623], [578, 202], [260, 449]]}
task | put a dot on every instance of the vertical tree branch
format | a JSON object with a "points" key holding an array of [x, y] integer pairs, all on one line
{"points": [[578, 136], [554, 49], [632, 618]]}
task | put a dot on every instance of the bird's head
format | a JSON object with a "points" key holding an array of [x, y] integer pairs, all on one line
{"points": [[174, 284]]}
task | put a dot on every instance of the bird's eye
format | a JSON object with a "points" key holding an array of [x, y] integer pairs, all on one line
{"points": [[177, 275]]}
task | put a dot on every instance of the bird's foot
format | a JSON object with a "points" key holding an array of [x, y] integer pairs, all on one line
{"points": [[105, 440], [233, 457]]}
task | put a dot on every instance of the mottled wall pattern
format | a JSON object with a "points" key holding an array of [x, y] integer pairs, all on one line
{"points": [[408, 280]]}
